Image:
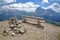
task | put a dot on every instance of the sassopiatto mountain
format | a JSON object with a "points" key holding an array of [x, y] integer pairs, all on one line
{"points": [[48, 15]]}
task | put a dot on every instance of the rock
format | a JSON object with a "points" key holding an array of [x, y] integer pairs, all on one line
{"points": [[7, 29], [14, 27], [5, 33], [1, 26], [12, 33], [16, 31], [22, 30], [19, 25]]}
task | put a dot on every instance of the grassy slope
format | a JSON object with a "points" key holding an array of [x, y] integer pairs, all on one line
{"points": [[56, 23], [58, 36]]}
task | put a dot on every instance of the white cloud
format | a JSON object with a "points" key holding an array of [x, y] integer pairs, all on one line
{"points": [[28, 7], [8, 1], [55, 0], [54, 6], [45, 1]]}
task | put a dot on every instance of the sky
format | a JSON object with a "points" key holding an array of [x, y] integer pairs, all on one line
{"points": [[29, 5]]}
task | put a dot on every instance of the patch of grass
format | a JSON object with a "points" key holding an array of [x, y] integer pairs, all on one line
{"points": [[54, 23], [57, 23], [58, 36]]}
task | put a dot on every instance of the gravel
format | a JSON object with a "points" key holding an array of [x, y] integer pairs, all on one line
{"points": [[49, 32]]}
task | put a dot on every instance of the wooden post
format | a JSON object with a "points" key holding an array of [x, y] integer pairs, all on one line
{"points": [[38, 22]]}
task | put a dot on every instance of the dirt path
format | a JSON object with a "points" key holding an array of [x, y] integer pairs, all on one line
{"points": [[33, 32]]}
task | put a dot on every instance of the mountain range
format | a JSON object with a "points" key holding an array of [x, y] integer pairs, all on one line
{"points": [[48, 15], [7, 15]]}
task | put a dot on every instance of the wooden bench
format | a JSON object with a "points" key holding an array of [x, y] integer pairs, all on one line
{"points": [[33, 19]]}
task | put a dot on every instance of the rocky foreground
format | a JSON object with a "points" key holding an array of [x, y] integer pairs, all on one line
{"points": [[34, 32]]}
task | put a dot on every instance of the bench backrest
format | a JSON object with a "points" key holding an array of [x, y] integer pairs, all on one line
{"points": [[35, 19]]}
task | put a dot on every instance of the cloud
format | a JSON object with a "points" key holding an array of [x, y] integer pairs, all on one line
{"points": [[55, 0], [45, 1], [54, 6], [28, 7], [8, 1]]}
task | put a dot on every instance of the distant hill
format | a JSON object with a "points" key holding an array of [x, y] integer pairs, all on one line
{"points": [[7, 15]]}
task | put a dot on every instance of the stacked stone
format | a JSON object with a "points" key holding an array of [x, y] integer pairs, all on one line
{"points": [[13, 22], [15, 27]]}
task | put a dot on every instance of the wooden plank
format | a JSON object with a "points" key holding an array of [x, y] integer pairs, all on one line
{"points": [[34, 19]]}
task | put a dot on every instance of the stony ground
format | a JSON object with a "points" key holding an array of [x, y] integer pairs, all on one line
{"points": [[34, 32]]}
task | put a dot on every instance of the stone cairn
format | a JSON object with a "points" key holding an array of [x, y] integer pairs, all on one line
{"points": [[14, 27]]}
